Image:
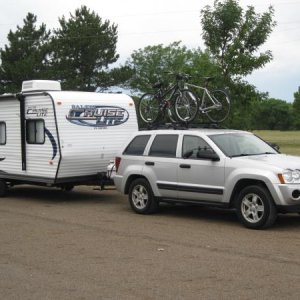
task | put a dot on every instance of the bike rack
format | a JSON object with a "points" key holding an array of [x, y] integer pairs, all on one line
{"points": [[182, 126]]}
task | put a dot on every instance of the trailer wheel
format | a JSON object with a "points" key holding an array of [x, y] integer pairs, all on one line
{"points": [[3, 188]]}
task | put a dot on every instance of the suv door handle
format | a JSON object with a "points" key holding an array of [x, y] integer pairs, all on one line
{"points": [[149, 163], [185, 166]]}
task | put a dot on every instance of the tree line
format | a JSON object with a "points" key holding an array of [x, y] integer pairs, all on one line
{"points": [[81, 51]]}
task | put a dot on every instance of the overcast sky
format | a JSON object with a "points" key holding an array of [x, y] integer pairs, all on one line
{"points": [[142, 23]]}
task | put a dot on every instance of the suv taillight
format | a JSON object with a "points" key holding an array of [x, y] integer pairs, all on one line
{"points": [[117, 162]]}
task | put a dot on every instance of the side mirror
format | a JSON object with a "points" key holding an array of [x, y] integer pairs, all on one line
{"points": [[187, 154], [208, 155]]}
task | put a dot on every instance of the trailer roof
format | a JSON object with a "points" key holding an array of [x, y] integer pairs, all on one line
{"points": [[8, 96], [77, 95], [71, 95]]}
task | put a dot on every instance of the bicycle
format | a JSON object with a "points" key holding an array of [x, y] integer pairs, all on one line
{"points": [[152, 105], [215, 104]]}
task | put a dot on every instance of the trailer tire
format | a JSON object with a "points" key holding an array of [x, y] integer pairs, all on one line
{"points": [[3, 188]]}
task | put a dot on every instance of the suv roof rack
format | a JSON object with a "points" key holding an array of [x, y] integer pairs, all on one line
{"points": [[182, 126]]}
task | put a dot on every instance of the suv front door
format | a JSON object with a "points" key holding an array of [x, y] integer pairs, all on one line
{"points": [[199, 178]]}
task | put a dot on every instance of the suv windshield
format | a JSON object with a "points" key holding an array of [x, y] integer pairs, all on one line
{"points": [[241, 144]]}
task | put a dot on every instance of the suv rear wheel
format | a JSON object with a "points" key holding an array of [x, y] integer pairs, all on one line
{"points": [[141, 197], [255, 207]]}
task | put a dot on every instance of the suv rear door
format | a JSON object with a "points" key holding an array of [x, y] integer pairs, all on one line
{"points": [[198, 178], [161, 165]]}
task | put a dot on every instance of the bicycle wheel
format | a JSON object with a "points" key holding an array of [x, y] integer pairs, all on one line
{"points": [[186, 106], [220, 113], [171, 113], [149, 108]]}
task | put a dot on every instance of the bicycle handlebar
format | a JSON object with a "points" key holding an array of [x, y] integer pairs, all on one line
{"points": [[179, 76]]}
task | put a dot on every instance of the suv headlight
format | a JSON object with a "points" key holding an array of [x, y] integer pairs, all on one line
{"points": [[290, 176]]}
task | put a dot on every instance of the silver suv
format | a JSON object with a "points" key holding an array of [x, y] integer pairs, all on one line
{"points": [[225, 168]]}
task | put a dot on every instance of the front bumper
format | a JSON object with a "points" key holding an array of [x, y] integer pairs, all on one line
{"points": [[290, 194], [288, 208]]}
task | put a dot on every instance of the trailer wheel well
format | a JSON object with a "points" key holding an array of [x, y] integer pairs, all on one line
{"points": [[242, 184], [130, 179]]}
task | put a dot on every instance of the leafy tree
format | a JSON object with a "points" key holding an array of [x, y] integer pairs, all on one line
{"points": [[273, 114], [83, 48], [152, 64], [296, 108], [233, 36], [244, 100], [25, 56]]}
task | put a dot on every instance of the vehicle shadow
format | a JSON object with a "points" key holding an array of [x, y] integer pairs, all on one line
{"points": [[219, 215], [210, 214]]}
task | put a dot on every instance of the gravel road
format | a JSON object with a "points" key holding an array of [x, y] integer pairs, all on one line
{"points": [[88, 244]]}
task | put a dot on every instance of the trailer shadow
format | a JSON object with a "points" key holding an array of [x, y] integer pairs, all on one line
{"points": [[56, 195]]}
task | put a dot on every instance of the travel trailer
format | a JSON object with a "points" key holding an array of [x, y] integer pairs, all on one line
{"points": [[61, 138]]}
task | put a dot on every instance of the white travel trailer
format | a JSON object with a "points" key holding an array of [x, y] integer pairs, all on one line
{"points": [[61, 138]]}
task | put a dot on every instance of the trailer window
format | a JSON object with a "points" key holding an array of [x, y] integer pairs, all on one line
{"points": [[35, 131], [2, 133]]}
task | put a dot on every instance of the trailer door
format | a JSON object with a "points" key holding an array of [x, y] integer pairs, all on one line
{"points": [[41, 138]]}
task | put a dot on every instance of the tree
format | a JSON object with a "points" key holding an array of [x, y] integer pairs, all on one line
{"points": [[83, 48], [273, 114], [152, 64], [296, 108], [234, 36], [25, 57]]}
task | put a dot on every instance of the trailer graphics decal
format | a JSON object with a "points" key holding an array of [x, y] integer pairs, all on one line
{"points": [[97, 115], [53, 142], [37, 112]]}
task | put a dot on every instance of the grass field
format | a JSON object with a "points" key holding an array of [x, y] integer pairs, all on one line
{"points": [[288, 141]]}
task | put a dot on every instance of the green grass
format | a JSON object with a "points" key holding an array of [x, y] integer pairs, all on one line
{"points": [[288, 141]]}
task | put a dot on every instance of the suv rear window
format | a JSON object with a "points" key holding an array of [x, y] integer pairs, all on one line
{"points": [[164, 145], [137, 145]]}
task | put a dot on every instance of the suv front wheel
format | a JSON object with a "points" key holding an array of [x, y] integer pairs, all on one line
{"points": [[255, 207], [141, 197]]}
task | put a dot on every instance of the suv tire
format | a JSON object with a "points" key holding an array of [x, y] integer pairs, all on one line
{"points": [[255, 207], [141, 197]]}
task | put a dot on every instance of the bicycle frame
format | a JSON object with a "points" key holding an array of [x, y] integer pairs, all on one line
{"points": [[202, 107], [162, 95]]}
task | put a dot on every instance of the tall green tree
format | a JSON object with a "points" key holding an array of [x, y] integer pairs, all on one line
{"points": [[26, 55], [234, 36], [273, 114], [83, 48], [296, 108], [153, 63]]}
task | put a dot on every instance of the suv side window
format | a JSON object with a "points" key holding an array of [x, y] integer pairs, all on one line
{"points": [[164, 145], [137, 145], [192, 144]]}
